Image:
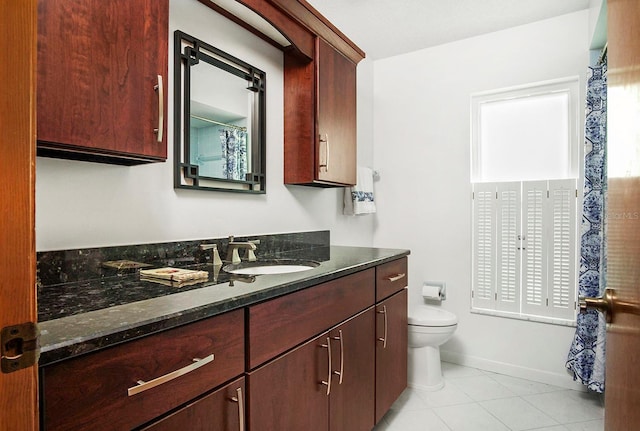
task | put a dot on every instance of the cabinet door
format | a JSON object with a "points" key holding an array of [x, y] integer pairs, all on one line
{"points": [[98, 68], [391, 351], [352, 400], [320, 118], [288, 393], [222, 410], [336, 149]]}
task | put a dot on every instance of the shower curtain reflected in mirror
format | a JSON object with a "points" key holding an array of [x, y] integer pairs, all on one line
{"points": [[234, 153], [586, 360]]}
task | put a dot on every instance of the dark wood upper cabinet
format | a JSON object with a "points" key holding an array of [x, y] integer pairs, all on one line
{"points": [[336, 116], [320, 119], [102, 80]]}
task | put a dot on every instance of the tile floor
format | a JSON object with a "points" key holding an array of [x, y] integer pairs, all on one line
{"points": [[476, 400]]}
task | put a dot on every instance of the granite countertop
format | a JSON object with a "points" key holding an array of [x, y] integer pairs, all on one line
{"points": [[86, 315]]}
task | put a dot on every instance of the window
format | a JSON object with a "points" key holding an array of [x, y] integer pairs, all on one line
{"points": [[524, 172]]}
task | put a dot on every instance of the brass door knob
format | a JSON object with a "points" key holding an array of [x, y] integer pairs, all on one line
{"points": [[603, 304]]}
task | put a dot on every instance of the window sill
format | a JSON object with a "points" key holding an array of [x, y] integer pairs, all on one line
{"points": [[527, 317]]}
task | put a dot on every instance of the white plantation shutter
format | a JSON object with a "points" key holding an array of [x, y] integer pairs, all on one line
{"points": [[562, 248], [484, 250], [534, 271], [524, 255], [507, 247]]}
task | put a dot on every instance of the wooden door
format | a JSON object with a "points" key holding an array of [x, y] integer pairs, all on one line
{"points": [[352, 400], [622, 396], [336, 151], [288, 394], [98, 66], [391, 357], [18, 390], [221, 410]]}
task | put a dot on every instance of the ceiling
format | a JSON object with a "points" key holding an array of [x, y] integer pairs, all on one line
{"points": [[384, 28]]}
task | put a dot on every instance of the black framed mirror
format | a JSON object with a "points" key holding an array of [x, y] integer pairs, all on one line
{"points": [[219, 119]]}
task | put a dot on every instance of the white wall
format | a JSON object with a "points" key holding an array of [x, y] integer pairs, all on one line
{"points": [[421, 148], [90, 205]]}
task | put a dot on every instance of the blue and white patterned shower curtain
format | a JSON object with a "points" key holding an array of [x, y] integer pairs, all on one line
{"points": [[586, 359], [234, 153]]}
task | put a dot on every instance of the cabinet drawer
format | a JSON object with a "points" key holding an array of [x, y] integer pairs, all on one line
{"points": [[98, 391], [391, 277], [278, 325]]}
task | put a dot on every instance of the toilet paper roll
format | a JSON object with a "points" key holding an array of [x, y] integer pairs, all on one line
{"points": [[430, 291]]}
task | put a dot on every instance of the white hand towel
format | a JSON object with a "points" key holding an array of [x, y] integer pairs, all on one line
{"points": [[360, 199]]}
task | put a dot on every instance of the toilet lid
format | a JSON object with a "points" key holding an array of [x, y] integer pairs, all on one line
{"points": [[431, 316]]}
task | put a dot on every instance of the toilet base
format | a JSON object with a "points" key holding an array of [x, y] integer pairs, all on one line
{"points": [[424, 369]]}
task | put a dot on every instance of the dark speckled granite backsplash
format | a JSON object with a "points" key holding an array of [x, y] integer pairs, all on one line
{"points": [[80, 278]]}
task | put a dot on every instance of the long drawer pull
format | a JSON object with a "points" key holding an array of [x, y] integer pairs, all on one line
{"points": [[384, 339], [396, 277], [143, 386], [328, 382], [240, 400]]}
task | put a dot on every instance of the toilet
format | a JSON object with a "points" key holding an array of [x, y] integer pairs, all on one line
{"points": [[429, 327]]}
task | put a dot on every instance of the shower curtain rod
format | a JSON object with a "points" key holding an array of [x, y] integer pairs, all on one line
{"points": [[218, 123], [603, 54]]}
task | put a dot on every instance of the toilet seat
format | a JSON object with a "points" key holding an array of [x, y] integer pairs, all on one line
{"points": [[431, 316]]}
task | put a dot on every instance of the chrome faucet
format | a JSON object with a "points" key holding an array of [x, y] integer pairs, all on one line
{"points": [[215, 256], [232, 250]]}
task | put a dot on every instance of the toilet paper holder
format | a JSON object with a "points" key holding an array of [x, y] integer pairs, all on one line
{"points": [[434, 290]]}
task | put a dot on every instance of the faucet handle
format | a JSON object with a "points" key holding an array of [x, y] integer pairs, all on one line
{"points": [[249, 255], [235, 257], [214, 252]]}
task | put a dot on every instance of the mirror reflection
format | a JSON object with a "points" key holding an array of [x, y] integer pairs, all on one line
{"points": [[220, 121]]}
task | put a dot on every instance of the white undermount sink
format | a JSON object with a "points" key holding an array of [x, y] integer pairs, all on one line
{"points": [[270, 267]]}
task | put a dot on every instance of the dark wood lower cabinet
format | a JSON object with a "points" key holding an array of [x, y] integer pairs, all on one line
{"points": [[391, 351], [221, 410], [105, 390], [352, 402], [337, 364], [288, 394], [292, 392]]}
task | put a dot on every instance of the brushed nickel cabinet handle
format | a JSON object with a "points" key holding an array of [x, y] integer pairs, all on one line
{"points": [[341, 372], [143, 386], [328, 382], [396, 277], [384, 339], [328, 151], [325, 165], [240, 400], [160, 89]]}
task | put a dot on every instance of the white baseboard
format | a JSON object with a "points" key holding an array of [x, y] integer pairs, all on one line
{"points": [[563, 380]]}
